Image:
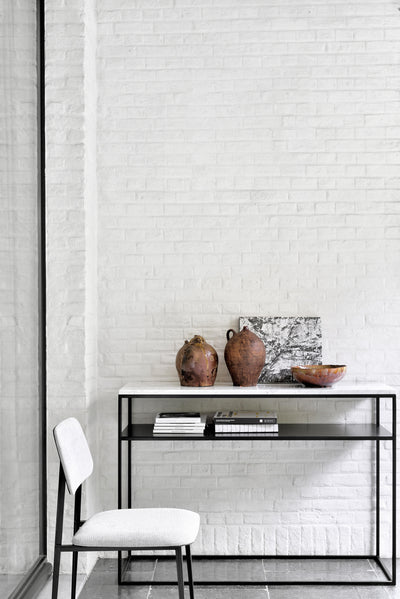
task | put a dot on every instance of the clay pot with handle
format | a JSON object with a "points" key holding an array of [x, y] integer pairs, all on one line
{"points": [[244, 357], [197, 363]]}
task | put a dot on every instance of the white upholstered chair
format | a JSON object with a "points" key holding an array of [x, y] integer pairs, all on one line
{"points": [[114, 530]]}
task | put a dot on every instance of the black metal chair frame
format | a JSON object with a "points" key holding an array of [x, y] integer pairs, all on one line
{"points": [[75, 549]]}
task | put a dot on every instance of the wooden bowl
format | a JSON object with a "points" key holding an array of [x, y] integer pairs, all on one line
{"points": [[318, 375]]}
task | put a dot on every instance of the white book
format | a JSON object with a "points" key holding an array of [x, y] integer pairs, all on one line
{"points": [[178, 429], [174, 431], [250, 435], [165, 434], [181, 425], [246, 428]]}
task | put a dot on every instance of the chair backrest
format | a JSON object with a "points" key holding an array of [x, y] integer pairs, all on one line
{"points": [[74, 452]]}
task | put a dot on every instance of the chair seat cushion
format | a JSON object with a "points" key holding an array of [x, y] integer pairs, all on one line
{"points": [[147, 527]]}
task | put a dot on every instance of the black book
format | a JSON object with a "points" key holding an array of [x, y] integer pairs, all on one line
{"points": [[178, 417]]}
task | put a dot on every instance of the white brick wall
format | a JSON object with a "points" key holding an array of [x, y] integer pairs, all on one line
{"points": [[71, 235], [247, 165]]}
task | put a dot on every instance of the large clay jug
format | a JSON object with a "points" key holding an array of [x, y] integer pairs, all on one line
{"points": [[197, 363], [244, 357]]}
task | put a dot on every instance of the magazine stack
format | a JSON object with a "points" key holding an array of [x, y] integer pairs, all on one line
{"points": [[179, 423], [235, 422]]}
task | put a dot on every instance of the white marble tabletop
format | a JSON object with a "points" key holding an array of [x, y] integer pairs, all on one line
{"points": [[174, 389]]}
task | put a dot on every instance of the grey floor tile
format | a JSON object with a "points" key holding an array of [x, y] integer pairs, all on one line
{"points": [[64, 587], [8, 582], [218, 569], [106, 565], [105, 571], [393, 592], [321, 570], [102, 578], [141, 570], [102, 582], [206, 592], [164, 592], [372, 593], [114, 592], [313, 592], [357, 566]]}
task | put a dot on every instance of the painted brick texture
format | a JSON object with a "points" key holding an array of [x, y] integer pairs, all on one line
{"points": [[247, 164], [71, 237]]}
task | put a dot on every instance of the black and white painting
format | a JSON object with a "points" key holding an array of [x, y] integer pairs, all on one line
{"points": [[289, 341]]}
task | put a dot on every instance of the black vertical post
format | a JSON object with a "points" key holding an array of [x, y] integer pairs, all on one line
{"points": [[129, 462], [129, 454], [179, 570], [119, 478], [41, 216], [59, 531], [190, 570], [119, 452], [378, 476], [77, 523], [394, 430], [77, 509]]}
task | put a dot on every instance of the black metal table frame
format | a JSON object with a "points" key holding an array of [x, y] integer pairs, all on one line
{"points": [[127, 436]]}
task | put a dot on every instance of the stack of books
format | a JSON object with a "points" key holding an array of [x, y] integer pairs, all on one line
{"points": [[179, 423], [233, 422]]}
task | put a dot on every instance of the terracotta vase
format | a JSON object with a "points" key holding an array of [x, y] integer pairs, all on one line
{"points": [[197, 363], [244, 357]]}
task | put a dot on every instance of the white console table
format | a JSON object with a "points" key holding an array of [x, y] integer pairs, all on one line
{"points": [[129, 431]]}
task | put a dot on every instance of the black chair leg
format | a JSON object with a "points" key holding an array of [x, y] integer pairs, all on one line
{"points": [[189, 569], [179, 569], [74, 574], [56, 573]]}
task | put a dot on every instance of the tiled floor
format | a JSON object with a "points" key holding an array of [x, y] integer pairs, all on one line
{"points": [[64, 587], [102, 582], [8, 582]]}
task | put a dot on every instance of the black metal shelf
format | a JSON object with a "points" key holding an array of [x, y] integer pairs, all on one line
{"points": [[287, 432]]}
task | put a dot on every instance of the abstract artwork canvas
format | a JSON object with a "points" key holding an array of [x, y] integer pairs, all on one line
{"points": [[289, 341]]}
